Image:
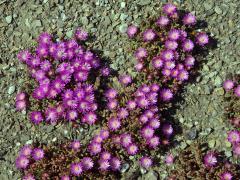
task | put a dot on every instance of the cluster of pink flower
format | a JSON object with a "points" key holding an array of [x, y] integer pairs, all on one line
{"points": [[229, 85], [175, 58], [211, 160], [61, 70], [28, 155]]}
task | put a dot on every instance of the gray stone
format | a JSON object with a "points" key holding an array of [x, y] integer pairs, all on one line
{"points": [[143, 170], [123, 17], [208, 5], [123, 28], [123, 5], [37, 23], [151, 175], [218, 10], [218, 81], [191, 134], [144, 2], [211, 143], [11, 89], [8, 19], [124, 167]]}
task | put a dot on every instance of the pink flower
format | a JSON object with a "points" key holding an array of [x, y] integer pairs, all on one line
{"points": [[105, 155], [75, 145], [167, 55], [22, 162], [226, 176], [187, 45], [76, 169], [132, 149], [234, 136], [228, 85], [24, 56], [146, 162], [237, 91], [126, 140], [45, 38], [166, 94], [114, 124], [111, 93], [132, 31], [210, 159], [202, 39], [122, 113], [29, 177], [157, 62], [131, 104], [162, 21], [236, 149], [26, 150], [125, 79], [174, 34], [147, 132], [172, 45], [189, 19], [149, 35], [153, 142], [21, 105], [36, 117], [167, 129], [90, 118], [81, 35], [87, 163], [115, 164], [141, 53], [37, 154], [94, 148], [103, 165], [169, 159], [169, 9]]}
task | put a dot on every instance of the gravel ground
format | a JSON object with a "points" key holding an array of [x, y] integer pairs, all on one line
{"points": [[201, 112]]}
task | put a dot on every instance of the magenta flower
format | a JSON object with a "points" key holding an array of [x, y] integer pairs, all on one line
{"points": [[115, 164], [65, 177], [26, 150], [103, 165], [172, 45], [147, 132], [104, 134], [132, 31], [141, 53], [234, 136], [155, 87], [105, 71], [154, 123], [162, 21], [22, 162], [76, 169], [126, 140], [42, 51], [174, 34], [122, 113], [94, 148], [45, 38], [189, 61], [143, 119], [125, 79], [226, 176], [24, 56], [105, 155], [142, 102], [182, 75], [75, 145], [149, 35], [132, 149], [153, 142], [139, 66], [37, 154], [111, 93], [236, 149], [20, 105], [169, 65], [210, 159], [189, 19], [167, 129], [87, 163], [202, 39], [187, 45], [166, 72], [166, 94], [72, 115], [131, 104], [28, 177], [146, 162], [228, 85], [114, 124], [157, 62], [167, 55], [112, 104], [90, 118], [169, 159], [237, 91], [36, 117], [97, 139], [81, 35], [169, 9], [51, 115]]}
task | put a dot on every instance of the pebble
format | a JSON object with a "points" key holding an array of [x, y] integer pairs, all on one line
{"points": [[211, 143], [123, 4], [192, 134], [123, 28], [124, 167], [37, 23], [151, 175], [218, 81], [8, 19], [143, 170], [11, 89], [218, 10]]}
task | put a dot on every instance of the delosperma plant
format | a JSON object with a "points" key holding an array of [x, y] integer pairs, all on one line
{"points": [[130, 114]]}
